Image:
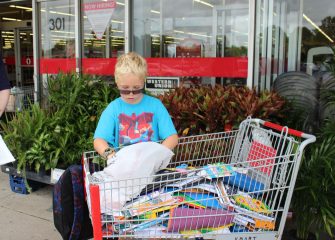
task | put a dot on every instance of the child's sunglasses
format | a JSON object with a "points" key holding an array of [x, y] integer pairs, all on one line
{"points": [[126, 92]]}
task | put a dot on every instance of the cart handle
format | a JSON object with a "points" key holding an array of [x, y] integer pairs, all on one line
{"points": [[289, 130], [280, 128]]}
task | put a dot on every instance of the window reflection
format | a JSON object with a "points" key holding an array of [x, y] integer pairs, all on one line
{"points": [[318, 35], [160, 28], [112, 42], [191, 28], [57, 29]]}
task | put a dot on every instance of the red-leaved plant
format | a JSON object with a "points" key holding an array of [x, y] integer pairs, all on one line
{"points": [[206, 109]]}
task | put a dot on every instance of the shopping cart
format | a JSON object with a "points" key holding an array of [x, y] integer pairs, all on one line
{"points": [[228, 185], [20, 98]]}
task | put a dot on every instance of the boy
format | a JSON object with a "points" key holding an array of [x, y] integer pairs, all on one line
{"points": [[133, 117]]}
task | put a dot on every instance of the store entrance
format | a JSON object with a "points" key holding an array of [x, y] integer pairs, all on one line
{"points": [[17, 42], [24, 56]]}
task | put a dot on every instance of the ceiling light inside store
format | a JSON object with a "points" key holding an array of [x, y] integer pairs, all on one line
{"points": [[204, 2], [153, 11], [62, 13], [64, 6], [198, 34], [119, 31], [11, 19], [191, 33], [319, 29], [235, 31], [28, 9], [119, 3], [171, 42], [63, 32], [114, 21], [117, 36]]}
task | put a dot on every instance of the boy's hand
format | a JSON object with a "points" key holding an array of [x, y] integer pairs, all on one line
{"points": [[108, 153]]}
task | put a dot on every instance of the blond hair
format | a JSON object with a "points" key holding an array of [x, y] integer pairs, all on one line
{"points": [[131, 63]]}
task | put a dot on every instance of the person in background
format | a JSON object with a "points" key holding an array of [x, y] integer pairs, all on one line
{"points": [[70, 49], [133, 117], [4, 87]]}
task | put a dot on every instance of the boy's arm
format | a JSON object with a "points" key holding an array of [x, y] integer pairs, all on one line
{"points": [[171, 141], [100, 145]]}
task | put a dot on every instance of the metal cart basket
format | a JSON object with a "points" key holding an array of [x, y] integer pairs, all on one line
{"points": [[20, 98], [228, 185]]}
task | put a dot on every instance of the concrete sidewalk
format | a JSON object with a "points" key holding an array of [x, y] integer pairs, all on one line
{"points": [[26, 216]]}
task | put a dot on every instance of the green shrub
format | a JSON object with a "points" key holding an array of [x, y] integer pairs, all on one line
{"points": [[57, 136]]}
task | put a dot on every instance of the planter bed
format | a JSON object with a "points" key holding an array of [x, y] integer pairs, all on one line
{"points": [[42, 176]]}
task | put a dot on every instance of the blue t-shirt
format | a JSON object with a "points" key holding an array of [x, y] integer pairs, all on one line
{"points": [[122, 123]]}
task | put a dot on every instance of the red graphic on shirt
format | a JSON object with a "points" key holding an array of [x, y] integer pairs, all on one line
{"points": [[133, 129]]}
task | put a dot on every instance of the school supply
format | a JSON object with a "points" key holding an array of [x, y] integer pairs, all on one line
{"points": [[217, 170], [181, 220], [165, 201], [207, 200], [246, 201], [244, 183], [162, 178]]}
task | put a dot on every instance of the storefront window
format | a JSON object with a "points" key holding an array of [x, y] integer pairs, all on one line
{"points": [[57, 21], [111, 43], [276, 40], [162, 29], [193, 29], [318, 35]]}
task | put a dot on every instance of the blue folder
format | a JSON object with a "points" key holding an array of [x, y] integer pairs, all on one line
{"points": [[205, 199], [244, 183]]}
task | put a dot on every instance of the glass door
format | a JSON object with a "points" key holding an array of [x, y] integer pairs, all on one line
{"points": [[277, 39], [8, 54], [24, 57], [231, 29]]}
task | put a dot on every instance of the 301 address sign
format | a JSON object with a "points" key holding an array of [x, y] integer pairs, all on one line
{"points": [[57, 23]]}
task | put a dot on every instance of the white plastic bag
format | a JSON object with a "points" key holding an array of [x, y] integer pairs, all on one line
{"points": [[130, 170], [5, 155], [262, 137]]}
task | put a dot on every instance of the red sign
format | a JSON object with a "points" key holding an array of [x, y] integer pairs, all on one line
{"points": [[189, 48], [27, 61], [9, 60], [99, 5], [233, 67]]}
